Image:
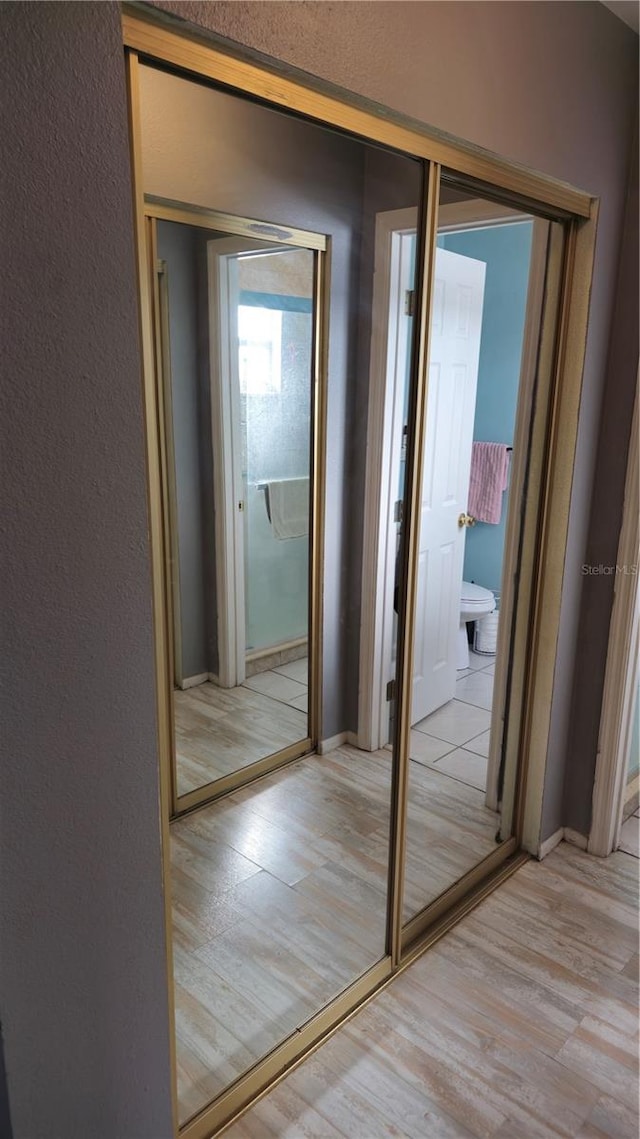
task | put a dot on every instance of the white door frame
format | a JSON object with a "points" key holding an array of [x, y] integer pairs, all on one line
{"points": [[621, 673], [378, 564], [227, 468], [384, 444]]}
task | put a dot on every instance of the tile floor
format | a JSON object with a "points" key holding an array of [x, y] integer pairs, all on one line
{"points": [[630, 835], [287, 683], [454, 740]]}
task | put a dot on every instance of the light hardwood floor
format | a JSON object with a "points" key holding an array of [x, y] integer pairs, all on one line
{"points": [[280, 899], [522, 1023], [221, 730]]}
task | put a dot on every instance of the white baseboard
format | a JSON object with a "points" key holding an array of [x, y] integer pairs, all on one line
{"points": [[550, 843], [333, 742], [563, 834], [575, 838], [193, 681]]}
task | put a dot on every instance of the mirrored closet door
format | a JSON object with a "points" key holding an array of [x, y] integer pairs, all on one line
{"points": [[262, 239], [349, 366]]}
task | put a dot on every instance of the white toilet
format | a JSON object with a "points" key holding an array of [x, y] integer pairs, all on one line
{"points": [[475, 602]]}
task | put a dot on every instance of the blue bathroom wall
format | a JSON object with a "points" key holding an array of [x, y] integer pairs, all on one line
{"points": [[506, 250], [634, 751]]}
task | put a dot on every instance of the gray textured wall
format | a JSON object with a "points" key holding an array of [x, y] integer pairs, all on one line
{"points": [[177, 247], [83, 998], [604, 526]]}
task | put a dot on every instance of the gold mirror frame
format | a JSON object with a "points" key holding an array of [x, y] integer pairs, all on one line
{"points": [[545, 527], [160, 209]]}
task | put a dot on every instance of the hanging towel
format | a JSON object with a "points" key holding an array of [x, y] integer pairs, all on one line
{"points": [[289, 507], [487, 481]]}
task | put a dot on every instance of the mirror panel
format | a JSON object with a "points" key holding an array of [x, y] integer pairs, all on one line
{"points": [[279, 888], [238, 387], [485, 320]]}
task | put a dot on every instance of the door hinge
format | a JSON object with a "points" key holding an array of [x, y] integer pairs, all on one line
{"points": [[391, 690], [410, 302], [398, 510]]}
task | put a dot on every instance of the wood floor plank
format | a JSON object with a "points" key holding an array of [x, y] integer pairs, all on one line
{"points": [[609, 995], [632, 968], [362, 1068], [512, 1050], [270, 844], [490, 1083], [613, 1120], [221, 730], [609, 1068], [520, 1024], [482, 994], [612, 942], [613, 878], [500, 1046], [298, 862]]}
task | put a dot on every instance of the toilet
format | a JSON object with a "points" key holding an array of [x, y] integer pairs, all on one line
{"points": [[475, 602]]}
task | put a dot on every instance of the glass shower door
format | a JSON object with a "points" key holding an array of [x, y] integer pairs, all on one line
{"points": [[275, 326]]}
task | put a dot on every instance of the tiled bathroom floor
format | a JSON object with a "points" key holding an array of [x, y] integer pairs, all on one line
{"points": [[630, 835], [288, 683], [454, 740]]}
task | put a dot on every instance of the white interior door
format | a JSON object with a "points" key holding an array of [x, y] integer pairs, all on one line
{"points": [[453, 376]]}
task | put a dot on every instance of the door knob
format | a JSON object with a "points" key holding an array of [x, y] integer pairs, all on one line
{"points": [[466, 520]]}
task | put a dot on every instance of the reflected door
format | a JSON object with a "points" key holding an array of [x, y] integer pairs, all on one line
{"points": [[453, 376]]}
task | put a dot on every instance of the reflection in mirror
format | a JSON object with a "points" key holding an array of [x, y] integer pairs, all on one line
{"points": [[489, 273], [279, 888], [238, 387]]}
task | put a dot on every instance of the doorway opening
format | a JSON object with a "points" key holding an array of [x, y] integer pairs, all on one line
{"points": [[236, 320], [490, 264]]}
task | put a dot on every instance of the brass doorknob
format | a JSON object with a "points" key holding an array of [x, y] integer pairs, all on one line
{"points": [[466, 520]]}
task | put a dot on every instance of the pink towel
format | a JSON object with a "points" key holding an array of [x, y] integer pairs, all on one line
{"points": [[487, 481]]}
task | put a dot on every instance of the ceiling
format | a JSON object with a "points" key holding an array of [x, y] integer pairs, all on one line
{"points": [[627, 10]]}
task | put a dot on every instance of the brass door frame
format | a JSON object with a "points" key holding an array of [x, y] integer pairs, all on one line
{"points": [[147, 37]]}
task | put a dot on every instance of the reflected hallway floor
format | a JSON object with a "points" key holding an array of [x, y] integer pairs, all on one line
{"points": [[279, 894], [221, 730]]}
